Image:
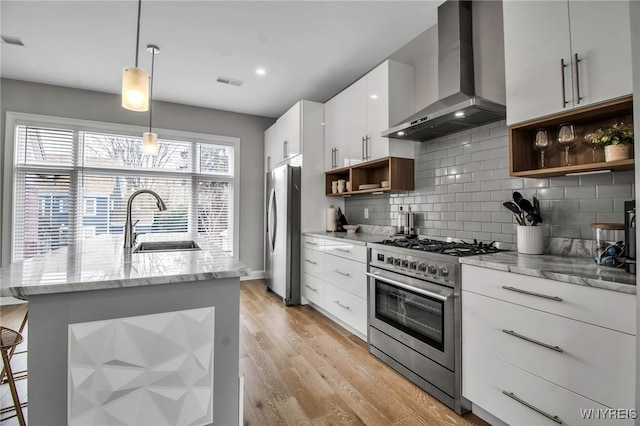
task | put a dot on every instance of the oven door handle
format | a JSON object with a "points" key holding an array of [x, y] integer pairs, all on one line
{"points": [[408, 287]]}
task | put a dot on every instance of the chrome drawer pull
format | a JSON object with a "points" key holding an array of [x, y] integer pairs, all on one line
{"points": [[564, 97], [343, 250], [310, 243], [310, 288], [537, 410], [337, 302], [529, 339], [345, 274], [531, 293], [311, 261]]}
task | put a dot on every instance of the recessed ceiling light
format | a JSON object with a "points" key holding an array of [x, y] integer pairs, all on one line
{"points": [[400, 133], [460, 114], [12, 40], [374, 96], [261, 71]]}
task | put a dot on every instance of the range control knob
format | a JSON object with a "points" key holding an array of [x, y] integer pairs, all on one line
{"points": [[444, 272], [390, 260], [432, 270], [413, 265], [405, 263], [422, 267], [397, 261]]}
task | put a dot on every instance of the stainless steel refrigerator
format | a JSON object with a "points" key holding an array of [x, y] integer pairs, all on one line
{"points": [[282, 242]]}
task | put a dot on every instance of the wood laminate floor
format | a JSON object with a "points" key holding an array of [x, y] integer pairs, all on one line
{"points": [[302, 368]]}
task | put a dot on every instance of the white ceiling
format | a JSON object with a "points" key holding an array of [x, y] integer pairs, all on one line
{"points": [[311, 49]]}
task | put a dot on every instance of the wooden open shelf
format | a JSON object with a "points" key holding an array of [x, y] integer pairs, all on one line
{"points": [[524, 159], [398, 171]]}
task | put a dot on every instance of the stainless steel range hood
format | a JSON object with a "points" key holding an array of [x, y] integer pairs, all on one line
{"points": [[458, 108]]}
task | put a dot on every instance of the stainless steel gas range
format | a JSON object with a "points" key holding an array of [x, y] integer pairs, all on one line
{"points": [[415, 312]]}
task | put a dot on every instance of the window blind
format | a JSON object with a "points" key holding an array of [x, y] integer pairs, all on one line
{"points": [[74, 184]]}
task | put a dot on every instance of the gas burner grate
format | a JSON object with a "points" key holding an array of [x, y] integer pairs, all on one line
{"points": [[458, 249]]}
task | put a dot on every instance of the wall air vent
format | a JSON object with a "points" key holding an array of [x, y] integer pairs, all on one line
{"points": [[12, 40], [231, 81]]}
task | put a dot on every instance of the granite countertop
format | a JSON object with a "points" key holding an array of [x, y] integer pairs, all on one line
{"points": [[574, 270], [359, 238], [103, 263]]}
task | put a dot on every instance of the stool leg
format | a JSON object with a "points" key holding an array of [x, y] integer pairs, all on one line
{"points": [[12, 388], [13, 348]]}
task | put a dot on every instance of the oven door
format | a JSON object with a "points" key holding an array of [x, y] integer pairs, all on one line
{"points": [[417, 313]]}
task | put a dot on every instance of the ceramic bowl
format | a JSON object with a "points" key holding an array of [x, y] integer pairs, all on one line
{"points": [[351, 229]]}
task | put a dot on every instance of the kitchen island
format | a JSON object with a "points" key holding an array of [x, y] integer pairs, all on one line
{"points": [[117, 337]]}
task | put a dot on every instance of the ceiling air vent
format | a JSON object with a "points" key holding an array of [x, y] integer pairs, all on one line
{"points": [[12, 40], [231, 81]]}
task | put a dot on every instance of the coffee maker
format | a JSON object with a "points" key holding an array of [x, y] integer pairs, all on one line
{"points": [[630, 236]]}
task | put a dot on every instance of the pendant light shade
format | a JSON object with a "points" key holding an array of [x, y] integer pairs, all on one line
{"points": [[150, 143], [135, 81], [135, 89]]}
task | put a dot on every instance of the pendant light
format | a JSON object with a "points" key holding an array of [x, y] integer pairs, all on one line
{"points": [[150, 139], [135, 81]]}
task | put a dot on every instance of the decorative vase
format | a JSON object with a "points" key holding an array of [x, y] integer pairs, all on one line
{"points": [[616, 152], [530, 240]]}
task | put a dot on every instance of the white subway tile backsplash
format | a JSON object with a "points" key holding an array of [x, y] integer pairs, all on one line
{"points": [[465, 176]]}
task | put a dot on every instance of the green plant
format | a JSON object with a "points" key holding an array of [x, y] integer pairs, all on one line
{"points": [[617, 134]]}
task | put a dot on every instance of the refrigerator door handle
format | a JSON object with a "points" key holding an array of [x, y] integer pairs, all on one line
{"points": [[272, 219]]}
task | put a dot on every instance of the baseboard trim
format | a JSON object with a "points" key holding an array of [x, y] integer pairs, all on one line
{"points": [[253, 275], [337, 321], [486, 416]]}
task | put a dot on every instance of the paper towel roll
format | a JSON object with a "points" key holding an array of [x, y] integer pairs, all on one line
{"points": [[331, 219]]}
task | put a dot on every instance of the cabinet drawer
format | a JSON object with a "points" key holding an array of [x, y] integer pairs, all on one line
{"points": [[314, 243], [312, 289], [346, 250], [347, 307], [593, 361], [485, 378], [606, 308], [346, 274], [312, 262]]}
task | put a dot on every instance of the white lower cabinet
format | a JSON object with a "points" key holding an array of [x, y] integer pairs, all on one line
{"points": [[521, 398], [536, 351], [334, 279]]}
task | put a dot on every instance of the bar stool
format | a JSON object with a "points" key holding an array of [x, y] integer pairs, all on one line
{"points": [[17, 375], [9, 339]]}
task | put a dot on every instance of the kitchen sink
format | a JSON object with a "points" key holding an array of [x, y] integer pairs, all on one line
{"points": [[156, 246]]}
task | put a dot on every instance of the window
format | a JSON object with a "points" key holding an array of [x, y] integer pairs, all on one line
{"points": [[72, 181]]}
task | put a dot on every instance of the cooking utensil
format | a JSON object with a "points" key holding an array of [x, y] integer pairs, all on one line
{"points": [[517, 213]]}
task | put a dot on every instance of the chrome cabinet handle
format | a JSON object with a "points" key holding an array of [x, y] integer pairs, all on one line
{"points": [[367, 147], [285, 149], [345, 274], [536, 409], [564, 96], [578, 97], [269, 163], [336, 158], [310, 243], [529, 339], [363, 145], [531, 293], [311, 262], [337, 302], [310, 288], [343, 250]]}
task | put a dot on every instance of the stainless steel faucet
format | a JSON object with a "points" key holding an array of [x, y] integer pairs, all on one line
{"points": [[129, 235]]}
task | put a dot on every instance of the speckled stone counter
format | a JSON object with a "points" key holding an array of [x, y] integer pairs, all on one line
{"points": [[102, 263], [574, 270], [99, 313], [356, 238]]}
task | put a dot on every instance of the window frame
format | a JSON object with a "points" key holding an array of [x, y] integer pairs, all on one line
{"points": [[13, 119]]}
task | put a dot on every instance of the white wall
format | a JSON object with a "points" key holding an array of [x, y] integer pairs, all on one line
{"points": [[21, 96], [635, 52]]}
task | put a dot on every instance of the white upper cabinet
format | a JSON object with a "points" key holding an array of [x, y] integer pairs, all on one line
{"points": [[271, 147], [356, 117], [289, 130], [561, 55]]}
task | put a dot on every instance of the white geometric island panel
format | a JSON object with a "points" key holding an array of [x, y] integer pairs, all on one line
{"points": [[147, 370]]}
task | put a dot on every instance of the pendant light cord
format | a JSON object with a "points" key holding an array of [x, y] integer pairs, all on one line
{"points": [[153, 60], [138, 32]]}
